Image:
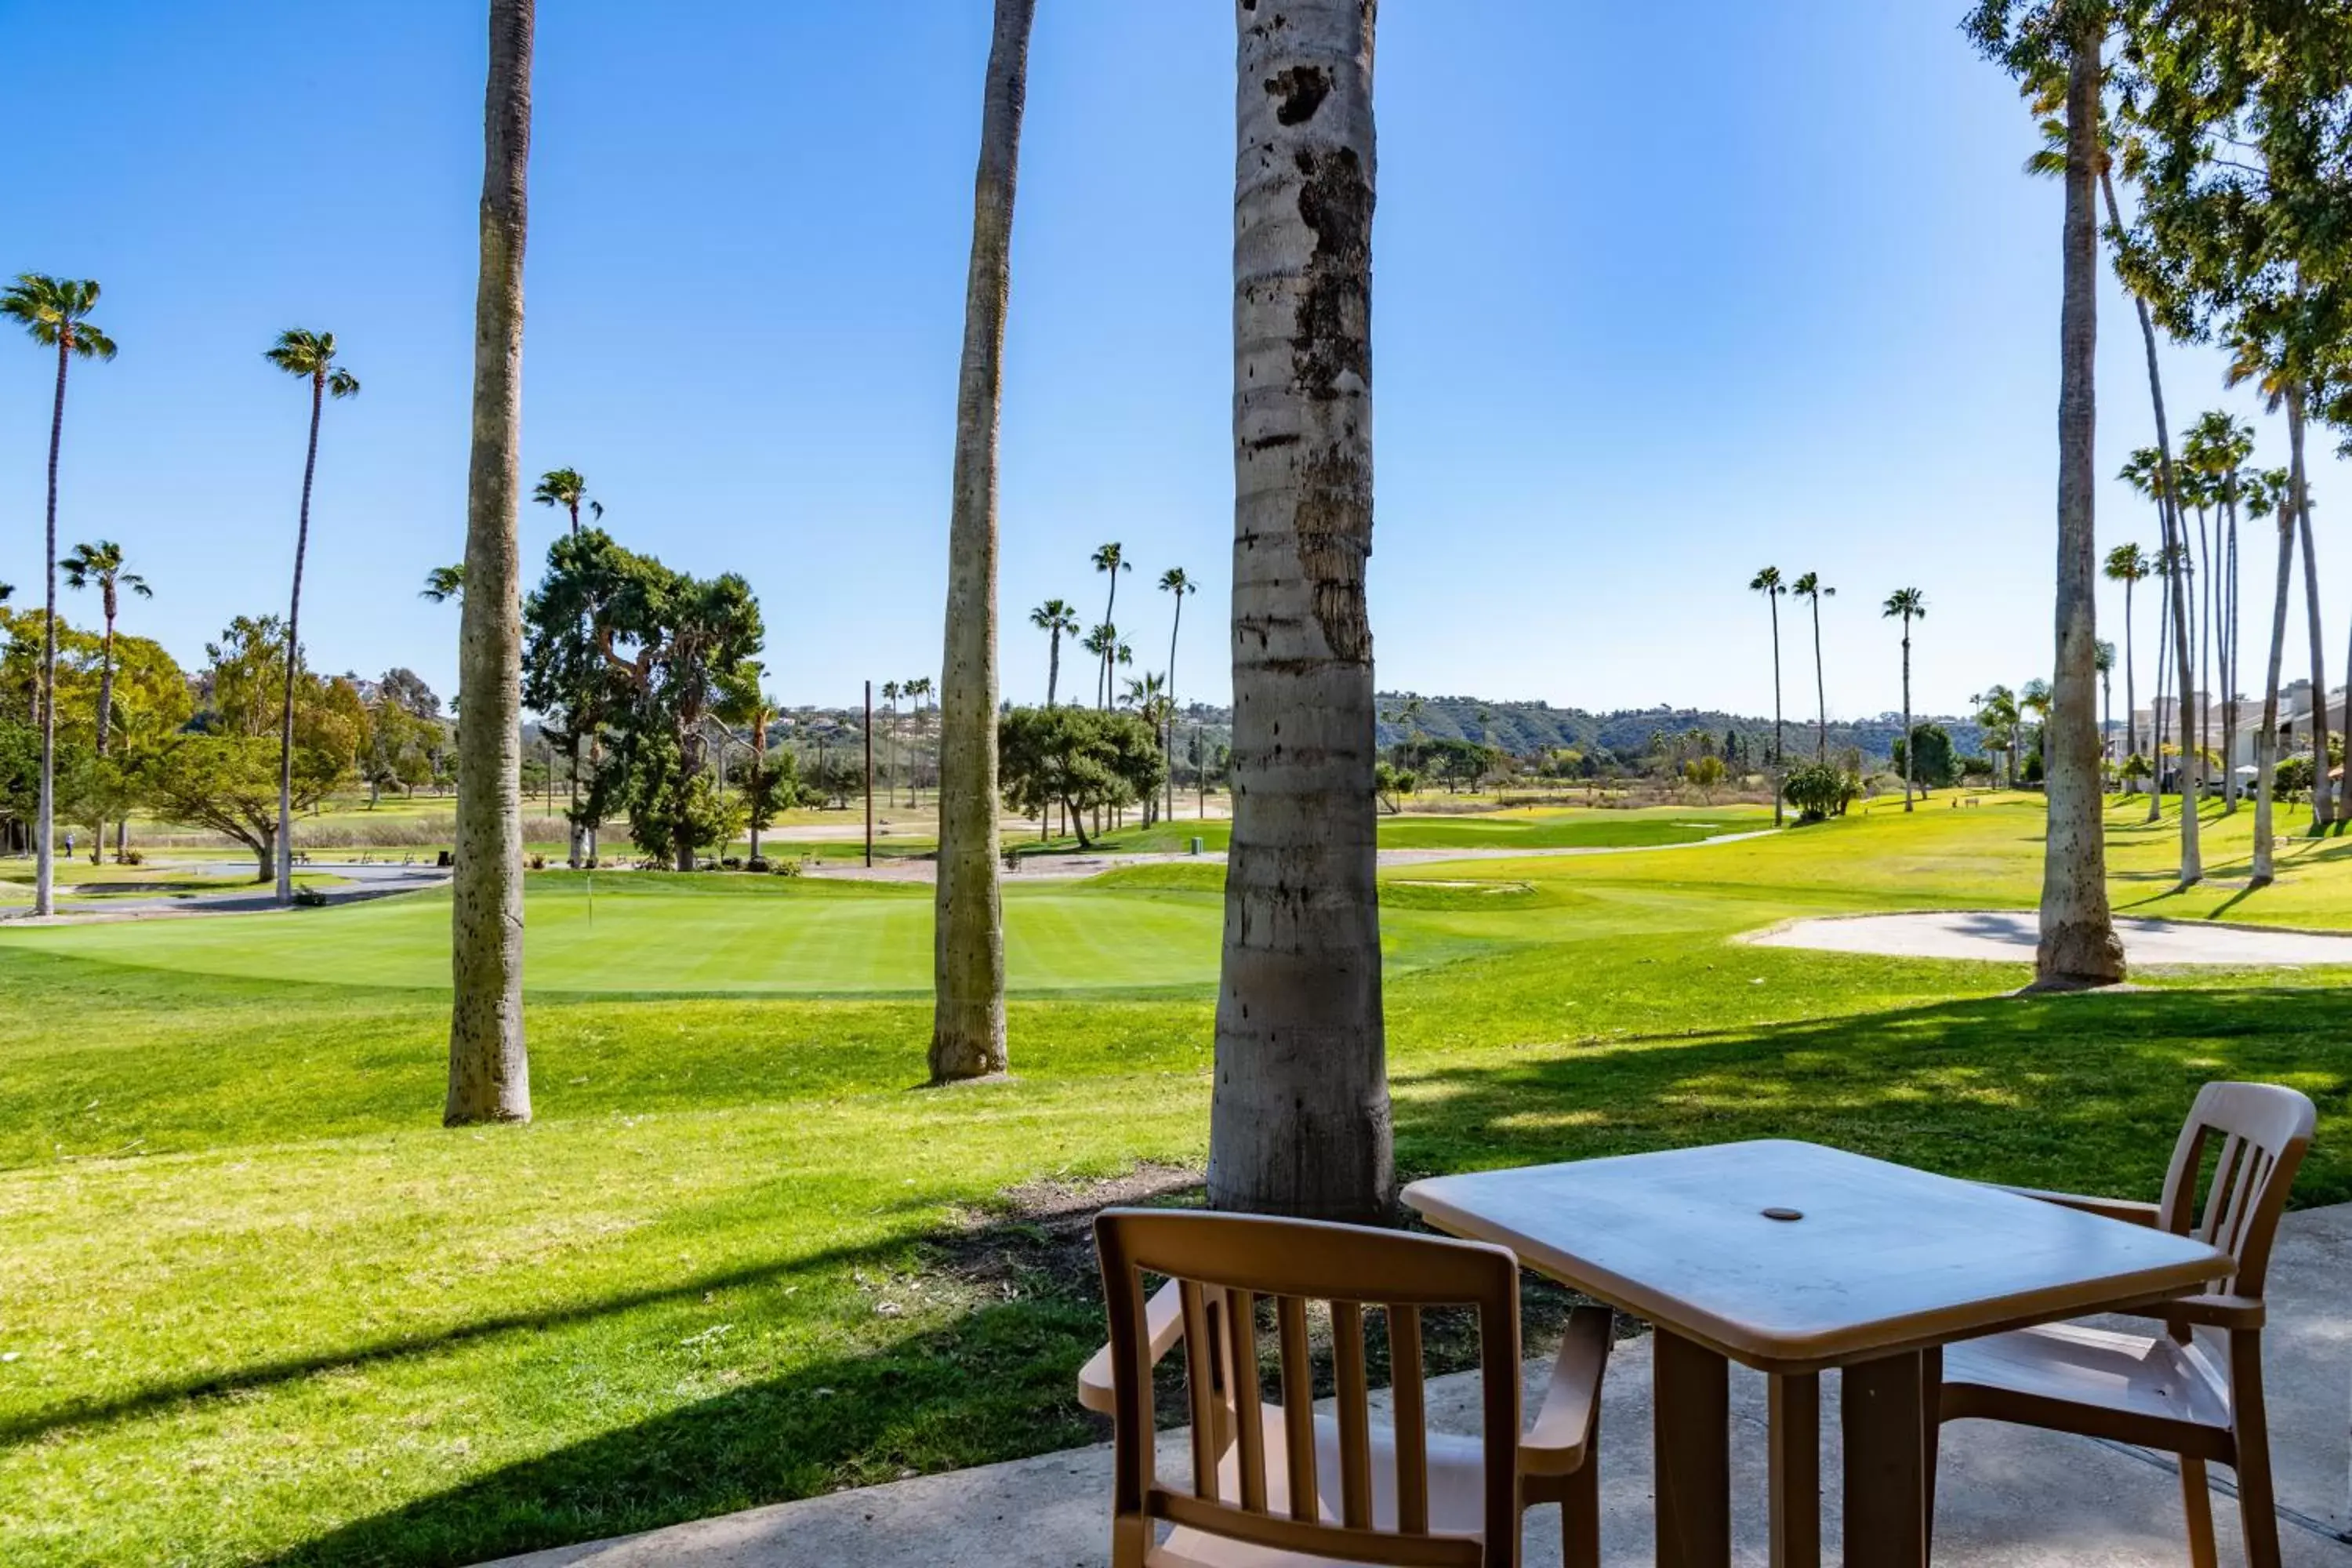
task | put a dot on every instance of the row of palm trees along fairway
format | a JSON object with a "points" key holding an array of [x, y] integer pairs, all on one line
{"points": [[55, 312], [2220, 133]]}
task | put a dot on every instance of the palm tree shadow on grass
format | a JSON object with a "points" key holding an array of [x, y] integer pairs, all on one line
{"points": [[2082, 1090]]}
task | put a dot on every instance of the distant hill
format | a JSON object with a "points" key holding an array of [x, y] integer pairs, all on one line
{"points": [[1522, 728]]}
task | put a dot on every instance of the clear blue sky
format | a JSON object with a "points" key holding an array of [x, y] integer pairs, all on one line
{"points": [[1660, 295]]}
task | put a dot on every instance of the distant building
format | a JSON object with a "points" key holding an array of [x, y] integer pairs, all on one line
{"points": [[2295, 730]]}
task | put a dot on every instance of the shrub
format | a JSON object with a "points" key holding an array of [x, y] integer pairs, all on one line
{"points": [[539, 862], [310, 897], [788, 868], [756, 863], [732, 862], [1819, 791]]}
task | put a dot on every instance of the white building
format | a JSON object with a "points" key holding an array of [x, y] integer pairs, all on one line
{"points": [[2294, 729]]}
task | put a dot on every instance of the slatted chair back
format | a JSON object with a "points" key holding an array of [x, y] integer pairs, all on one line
{"points": [[1225, 1266], [2262, 1130]]}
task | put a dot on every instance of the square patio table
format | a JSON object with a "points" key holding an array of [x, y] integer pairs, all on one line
{"points": [[1794, 1258]]}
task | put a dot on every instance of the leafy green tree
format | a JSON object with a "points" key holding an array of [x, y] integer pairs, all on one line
{"points": [[1703, 774], [224, 776], [568, 678], [1820, 789], [55, 312], [1084, 760], [1392, 785], [311, 356], [1927, 760]]}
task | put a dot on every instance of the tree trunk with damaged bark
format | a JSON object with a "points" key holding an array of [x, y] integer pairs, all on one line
{"points": [[1299, 1118], [968, 931], [489, 1070]]}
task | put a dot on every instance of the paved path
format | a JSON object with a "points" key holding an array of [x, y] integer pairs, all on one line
{"points": [[2007, 1497], [2008, 936], [374, 879]]}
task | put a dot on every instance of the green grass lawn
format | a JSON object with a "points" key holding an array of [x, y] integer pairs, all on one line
{"points": [[262, 1308]]}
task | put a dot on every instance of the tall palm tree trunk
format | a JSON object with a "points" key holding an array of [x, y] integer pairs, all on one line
{"points": [[1299, 1118], [2156, 707], [283, 851], [2266, 738], [2229, 672], [2078, 944], [2321, 793], [1779, 734], [1175, 628], [2192, 865], [44, 827], [1053, 666], [106, 675], [490, 1070], [968, 944], [1820, 691], [1910, 741], [2131, 689]]}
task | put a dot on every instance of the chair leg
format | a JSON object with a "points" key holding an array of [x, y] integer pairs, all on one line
{"points": [[2251, 1437], [1931, 1430], [1579, 1508], [2199, 1505]]}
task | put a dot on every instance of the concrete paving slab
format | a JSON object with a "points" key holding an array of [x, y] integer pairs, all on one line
{"points": [[2008, 936], [2007, 1497]]}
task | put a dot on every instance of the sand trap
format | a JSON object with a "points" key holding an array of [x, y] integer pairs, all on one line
{"points": [[2008, 937]]}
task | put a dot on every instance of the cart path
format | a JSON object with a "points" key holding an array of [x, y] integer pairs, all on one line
{"points": [[2008, 936]]}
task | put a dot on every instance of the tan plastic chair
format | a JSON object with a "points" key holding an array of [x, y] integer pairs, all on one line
{"points": [[1404, 1495], [2171, 1392]]}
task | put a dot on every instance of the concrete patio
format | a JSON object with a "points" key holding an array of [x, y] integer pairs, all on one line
{"points": [[2007, 1498]]}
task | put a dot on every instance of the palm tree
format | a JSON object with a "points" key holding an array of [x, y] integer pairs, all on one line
{"points": [[310, 355], [915, 690], [1108, 558], [2078, 944], [55, 312], [1767, 582], [2274, 497], [101, 563], [2103, 660], [1299, 1122], [489, 1068], [1998, 715], [443, 583], [1056, 620], [1174, 581], [2128, 565], [568, 488], [891, 692], [1911, 605], [2264, 364], [1812, 588]]}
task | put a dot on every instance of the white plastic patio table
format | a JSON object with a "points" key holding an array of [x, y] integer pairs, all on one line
{"points": [[1793, 1259]]}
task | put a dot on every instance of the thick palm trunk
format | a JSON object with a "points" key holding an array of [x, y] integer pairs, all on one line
{"points": [[294, 656], [106, 681], [1299, 1121], [967, 941], [2321, 812], [1053, 668], [490, 1070], [2156, 704], [2078, 944], [44, 827], [2266, 739]]}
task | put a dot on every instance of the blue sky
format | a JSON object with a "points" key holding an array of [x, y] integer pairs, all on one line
{"points": [[1660, 295]]}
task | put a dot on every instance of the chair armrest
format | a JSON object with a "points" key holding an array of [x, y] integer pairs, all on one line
{"points": [[1560, 1442], [2218, 1311], [2124, 1209], [1163, 1321]]}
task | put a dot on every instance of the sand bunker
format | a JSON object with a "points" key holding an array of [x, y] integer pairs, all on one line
{"points": [[2008, 937]]}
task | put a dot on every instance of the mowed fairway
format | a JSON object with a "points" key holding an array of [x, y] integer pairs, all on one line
{"points": [[261, 1308]]}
